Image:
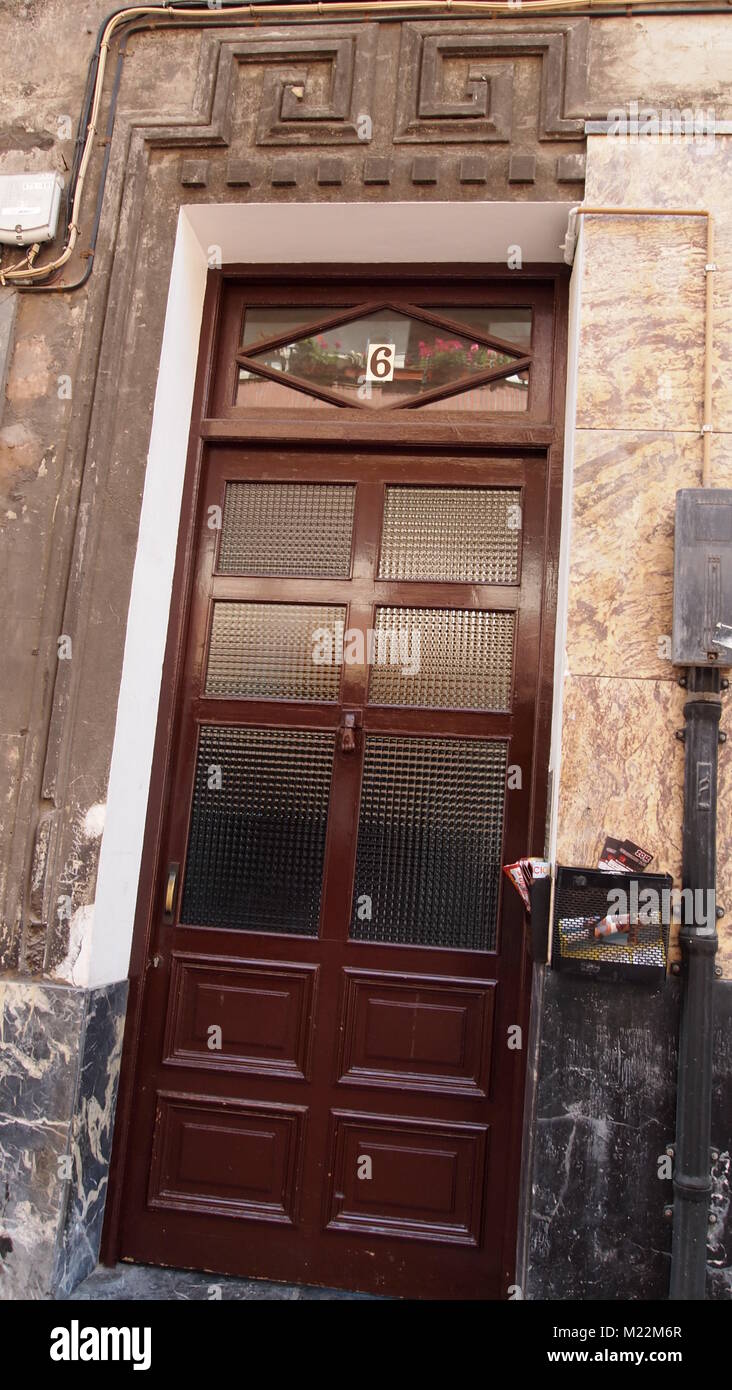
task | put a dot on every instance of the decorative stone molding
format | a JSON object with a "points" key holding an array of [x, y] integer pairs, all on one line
{"points": [[289, 113], [426, 115]]}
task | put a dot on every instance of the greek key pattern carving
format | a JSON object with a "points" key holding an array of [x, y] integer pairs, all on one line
{"points": [[427, 115], [290, 112]]}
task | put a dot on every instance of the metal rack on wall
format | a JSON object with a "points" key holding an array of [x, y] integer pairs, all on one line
{"points": [[584, 897]]}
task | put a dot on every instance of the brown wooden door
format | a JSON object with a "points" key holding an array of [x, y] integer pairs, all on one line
{"points": [[326, 1089]]}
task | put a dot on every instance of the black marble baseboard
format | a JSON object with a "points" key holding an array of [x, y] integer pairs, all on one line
{"points": [[605, 1111], [59, 1070]]}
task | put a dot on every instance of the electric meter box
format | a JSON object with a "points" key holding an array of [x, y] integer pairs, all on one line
{"points": [[702, 624], [29, 206]]}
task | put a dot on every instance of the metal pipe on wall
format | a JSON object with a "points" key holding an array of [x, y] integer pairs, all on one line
{"points": [[692, 1165]]}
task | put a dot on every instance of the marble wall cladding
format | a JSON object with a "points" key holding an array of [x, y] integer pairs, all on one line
{"points": [[597, 1228], [622, 768], [646, 278], [91, 1136], [41, 1027], [676, 60], [724, 842], [59, 1060], [623, 774], [642, 330], [622, 557], [636, 442]]}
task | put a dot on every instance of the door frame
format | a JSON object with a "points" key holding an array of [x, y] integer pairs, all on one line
{"points": [[546, 438]]}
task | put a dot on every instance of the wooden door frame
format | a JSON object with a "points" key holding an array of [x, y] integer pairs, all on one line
{"points": [[382, 433]]}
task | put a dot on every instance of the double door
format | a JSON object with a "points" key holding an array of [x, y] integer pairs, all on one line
{"points": [[329, 1080]]}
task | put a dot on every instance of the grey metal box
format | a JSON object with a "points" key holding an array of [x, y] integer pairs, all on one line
{"points": [[29, 207], [703, 577]]}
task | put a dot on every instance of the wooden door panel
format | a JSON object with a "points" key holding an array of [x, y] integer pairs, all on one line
{"points": [[229, 1158], [427, 1179], [417, 1032], [264, 1009]]}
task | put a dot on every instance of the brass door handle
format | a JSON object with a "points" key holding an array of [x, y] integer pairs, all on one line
{"points": [[170, 887]]}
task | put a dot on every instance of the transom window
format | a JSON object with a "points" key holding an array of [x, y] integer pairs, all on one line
{"points": [[386, 356]]}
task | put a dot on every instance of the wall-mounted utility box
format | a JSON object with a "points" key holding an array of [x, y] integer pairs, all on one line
{"points": [[29, 206], [638, 951], [702, 577]]}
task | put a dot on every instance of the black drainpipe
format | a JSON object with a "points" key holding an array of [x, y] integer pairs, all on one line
{"points": [[692, 1165]]}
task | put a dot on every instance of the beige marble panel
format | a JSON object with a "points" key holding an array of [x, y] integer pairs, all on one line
{"points": [[622, 769], [644, 282], [642, 326], [622, 550], [622, 773]]}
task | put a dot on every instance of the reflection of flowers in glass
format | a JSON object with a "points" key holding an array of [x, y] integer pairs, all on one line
{"points": [[448, 359]]}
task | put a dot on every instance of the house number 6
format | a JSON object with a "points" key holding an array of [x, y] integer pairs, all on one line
{"points": [[380, 362]]}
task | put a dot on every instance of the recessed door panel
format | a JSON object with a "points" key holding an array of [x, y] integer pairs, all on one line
{"points": [[263, 1015], [421, 1033], [229, 1158], [409, 1180]]}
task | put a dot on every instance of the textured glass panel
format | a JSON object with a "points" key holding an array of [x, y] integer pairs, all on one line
{"points": [[259, 393], [460, 535], [269, 321], [424, 358], [264, 651], [512, 325], [429, 841], [287, 529], [509, 393], [257, 836], [442, 658]]}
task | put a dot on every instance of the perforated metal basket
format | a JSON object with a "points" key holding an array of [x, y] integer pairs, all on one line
{"points": [[582, 897]]}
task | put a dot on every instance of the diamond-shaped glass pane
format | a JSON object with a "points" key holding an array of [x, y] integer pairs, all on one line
{"points": [[382, 359]]}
